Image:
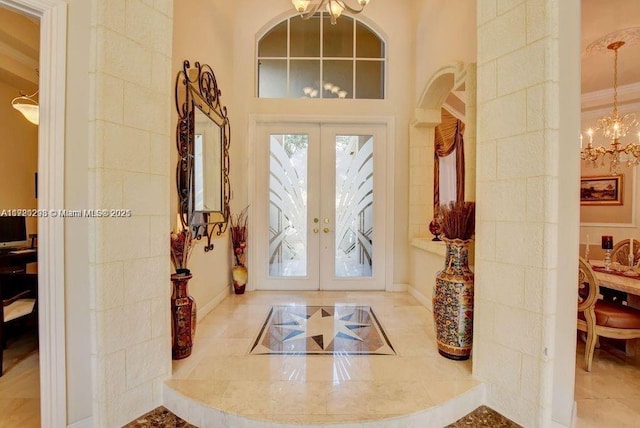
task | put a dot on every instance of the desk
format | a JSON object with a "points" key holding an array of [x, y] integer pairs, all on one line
{"points": [[11, 262]]}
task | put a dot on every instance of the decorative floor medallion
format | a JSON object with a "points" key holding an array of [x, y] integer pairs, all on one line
{"points": [[307, 330]]}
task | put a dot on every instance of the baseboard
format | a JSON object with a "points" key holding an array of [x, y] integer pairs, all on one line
{"points": [[84, 423], [398, 287], [426, 302], [204, 311], [572, 423]]}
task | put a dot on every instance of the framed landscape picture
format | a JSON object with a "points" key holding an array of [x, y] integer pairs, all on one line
{"points": [[601, 190]]}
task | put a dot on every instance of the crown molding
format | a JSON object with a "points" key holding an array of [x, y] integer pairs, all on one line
{"points": [[627, 94], [596, 113]]}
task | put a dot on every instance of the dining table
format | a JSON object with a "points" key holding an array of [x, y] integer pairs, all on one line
{"points": [[628, 283], [616, 279]]}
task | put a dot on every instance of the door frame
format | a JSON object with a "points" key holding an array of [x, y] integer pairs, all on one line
{"points": [[388, 152], [51, 134]]}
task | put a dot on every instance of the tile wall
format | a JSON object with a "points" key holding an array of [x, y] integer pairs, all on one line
{"points": [[130, 138], [517, 224]]}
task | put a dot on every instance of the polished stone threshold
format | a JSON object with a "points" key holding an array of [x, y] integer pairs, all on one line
{"points": [[482, 417], [159, 417], [223, 385]]}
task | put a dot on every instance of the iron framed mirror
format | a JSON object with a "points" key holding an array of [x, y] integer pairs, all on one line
{"points": [[203, 136]]}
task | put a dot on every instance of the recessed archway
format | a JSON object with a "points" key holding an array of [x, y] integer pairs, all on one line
{"points": [[427, 116]]}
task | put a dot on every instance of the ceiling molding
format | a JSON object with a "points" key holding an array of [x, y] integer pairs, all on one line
{"points": [[604, 98], [597, 113]]}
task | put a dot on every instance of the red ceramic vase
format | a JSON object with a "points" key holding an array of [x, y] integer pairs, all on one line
{"points": [[183, 317]]}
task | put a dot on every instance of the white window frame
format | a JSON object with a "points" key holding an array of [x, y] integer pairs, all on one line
{"points": [[354, 58]]}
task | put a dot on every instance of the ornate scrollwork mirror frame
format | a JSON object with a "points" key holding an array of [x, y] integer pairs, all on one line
{"points": [[197, 88]]}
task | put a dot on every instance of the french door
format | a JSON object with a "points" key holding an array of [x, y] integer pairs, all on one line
{"points": [[320, 207]]}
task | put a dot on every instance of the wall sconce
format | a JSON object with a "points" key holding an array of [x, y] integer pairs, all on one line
{"points": [[29, 108]]}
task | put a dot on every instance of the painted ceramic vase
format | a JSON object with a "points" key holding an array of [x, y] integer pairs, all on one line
{"points": [[453, 302], [240, 276], [183, 317]]}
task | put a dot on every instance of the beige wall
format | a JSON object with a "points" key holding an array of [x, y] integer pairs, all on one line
{"points": [[445, 33], [620, 221], [456, 51], [19, 162], [203, 32], [392, 21], [617, 214]]}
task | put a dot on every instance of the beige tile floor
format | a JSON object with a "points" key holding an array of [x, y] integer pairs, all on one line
{"points": [[319, 388], [608, 396], [20, 384]]}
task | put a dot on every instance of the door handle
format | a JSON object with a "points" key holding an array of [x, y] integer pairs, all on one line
{"points": [[325, 230], [326, 221], [315, 230], [316, 219]]}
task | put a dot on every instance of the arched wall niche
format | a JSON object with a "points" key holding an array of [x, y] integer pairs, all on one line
{"points": [[427, 115]]}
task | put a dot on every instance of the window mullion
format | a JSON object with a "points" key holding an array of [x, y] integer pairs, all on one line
{"points": [[321, 83], [288, 57], [355, 55], [368, 62]]}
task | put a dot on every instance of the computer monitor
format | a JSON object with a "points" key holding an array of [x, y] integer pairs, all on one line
{"points": [[13, 232]]}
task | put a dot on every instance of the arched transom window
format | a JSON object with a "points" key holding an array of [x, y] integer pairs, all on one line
{"points": [[314, 59]]}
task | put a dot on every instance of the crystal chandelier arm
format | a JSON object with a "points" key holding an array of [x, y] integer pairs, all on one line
{"points": [[316, 6], [345, 6], [309, 13]]}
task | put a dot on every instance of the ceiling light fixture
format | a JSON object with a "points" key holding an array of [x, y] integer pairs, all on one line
{"points": [[29, 108], [334, 7], [613, 127]]}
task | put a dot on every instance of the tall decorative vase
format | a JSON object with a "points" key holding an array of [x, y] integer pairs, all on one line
{"points": [[240, 276], [183, 317], [453, 302]]}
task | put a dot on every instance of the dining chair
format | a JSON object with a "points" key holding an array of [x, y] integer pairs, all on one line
{"points": [[601, 318], [18, 294], [620, 252]]}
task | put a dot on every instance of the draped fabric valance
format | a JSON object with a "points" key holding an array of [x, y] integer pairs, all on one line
{"points": [[449, 135]]}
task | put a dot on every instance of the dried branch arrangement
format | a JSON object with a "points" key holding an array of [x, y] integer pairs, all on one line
{"points": [[181, 244], [239, 235], [458, 219]]}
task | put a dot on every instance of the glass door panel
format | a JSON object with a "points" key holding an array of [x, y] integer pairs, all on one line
{"points": [[317, 223], [354, 206], [288, 166]]}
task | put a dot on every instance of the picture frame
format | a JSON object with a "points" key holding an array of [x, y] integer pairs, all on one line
{"points": [[601, 190]]}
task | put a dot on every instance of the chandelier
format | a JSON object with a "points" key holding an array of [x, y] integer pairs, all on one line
{"points": [[613, 127], [334, 7]]}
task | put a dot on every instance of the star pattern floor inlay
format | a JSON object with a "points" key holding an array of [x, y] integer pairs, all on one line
{"points": [[308, 330]]}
